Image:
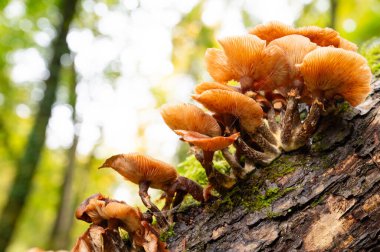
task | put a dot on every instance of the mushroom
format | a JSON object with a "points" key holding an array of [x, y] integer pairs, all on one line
{"points": [[327, 72], [250, 116], [321, 36], [107, 215], [204, 86], [148, 173], [332, 71], [205, 137], [246, 60]]}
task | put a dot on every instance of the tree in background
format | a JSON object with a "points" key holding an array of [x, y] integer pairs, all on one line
{"points": [[26, 167]]}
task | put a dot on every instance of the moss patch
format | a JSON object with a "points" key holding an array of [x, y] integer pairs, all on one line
{"points": [[168, 233]]}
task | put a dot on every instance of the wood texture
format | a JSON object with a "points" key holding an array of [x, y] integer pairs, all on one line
{"points": [[325, 197]]}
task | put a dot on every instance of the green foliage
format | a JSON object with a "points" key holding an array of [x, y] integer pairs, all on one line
{"points": [[371, 50], [192, 169]]}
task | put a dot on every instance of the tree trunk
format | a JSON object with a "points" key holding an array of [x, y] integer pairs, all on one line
{"points": [[60, 235], [28, 163], [322, 198]]}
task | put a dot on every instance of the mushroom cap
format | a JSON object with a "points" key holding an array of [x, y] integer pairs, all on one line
{"points": [[321, 36], [295, 48], [205, 142], [138, 168], [347, 45], [98, 208], [246, 109], [329, 71], [82, 212], [204, 86], [130, 216], [190, 117], [238, 58], [272, 30]]}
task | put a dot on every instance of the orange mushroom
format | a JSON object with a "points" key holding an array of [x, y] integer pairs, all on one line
{"points": [[333, 71], [321, 36], [227, 102], [105, 212], [246, 60], [190, 117], [295, 48], [149, 172], [250, 116], [272, 30], [205, 142], [204, 86]]}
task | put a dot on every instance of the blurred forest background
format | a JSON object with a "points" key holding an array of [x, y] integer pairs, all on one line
{"points": [[81, 80]]}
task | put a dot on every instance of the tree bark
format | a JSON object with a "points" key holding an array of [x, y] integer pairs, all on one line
{"points": [[325, 197], [28, 163]]}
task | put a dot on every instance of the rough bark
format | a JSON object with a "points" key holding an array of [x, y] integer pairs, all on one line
{"points": [[325, 197], [27, 165]]}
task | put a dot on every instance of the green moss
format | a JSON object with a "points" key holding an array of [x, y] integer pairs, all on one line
{"points": [[192, 169], [371, 51], [168, 233]]}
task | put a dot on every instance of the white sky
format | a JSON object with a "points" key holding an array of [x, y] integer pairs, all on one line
{"points": [[140, 44]]}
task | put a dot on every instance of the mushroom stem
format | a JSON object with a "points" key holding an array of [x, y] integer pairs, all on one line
{"points": [[265, 145], [143, 192], [237, 169], [308, 127], [287, 121], [272, 123], [217, 180], [265, 131], [255, 156], [189, 186]]}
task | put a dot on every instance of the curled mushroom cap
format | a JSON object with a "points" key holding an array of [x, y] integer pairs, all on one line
{"points": [[295, 48], [320, 36], [86, 211], [205, 142], [331, 71], [226, 102], [139, 168], [204, 86], [190, 117]]}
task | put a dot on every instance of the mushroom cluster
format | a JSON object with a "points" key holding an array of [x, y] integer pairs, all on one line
{"points": [[271, 86]]}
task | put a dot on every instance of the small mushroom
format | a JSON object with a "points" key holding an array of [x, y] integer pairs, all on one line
{"points": [[202, 139], [107, 215], [250, 115], [148, 173]]}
